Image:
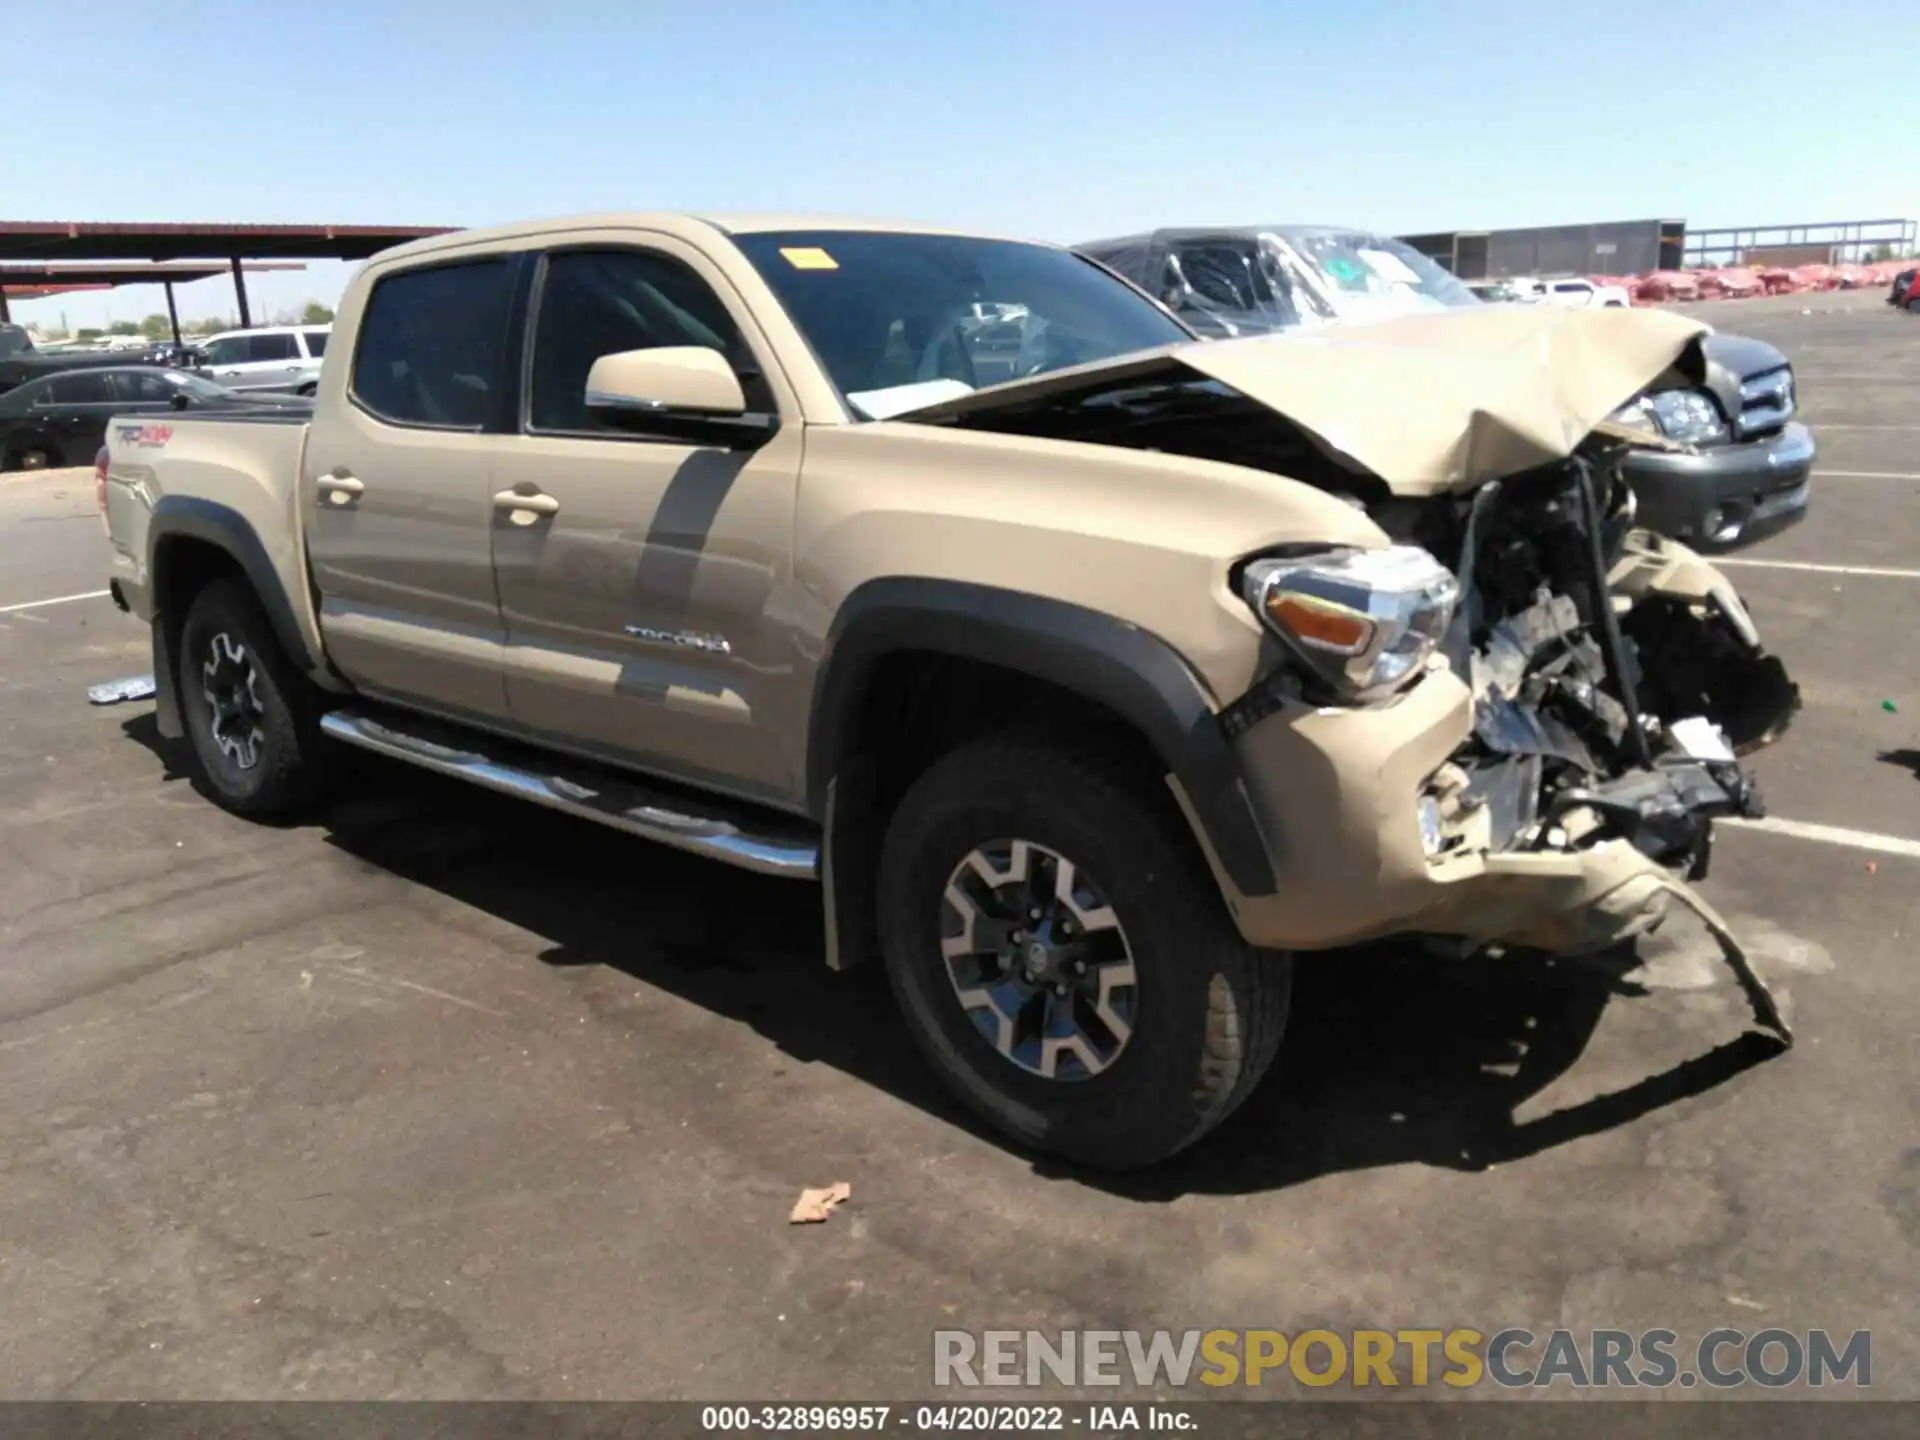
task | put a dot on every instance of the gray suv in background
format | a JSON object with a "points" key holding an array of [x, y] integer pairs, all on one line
{"points": [[1741, 463], [280, 357]]}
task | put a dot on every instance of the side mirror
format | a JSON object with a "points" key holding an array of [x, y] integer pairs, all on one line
{"points": [[687, 392]]}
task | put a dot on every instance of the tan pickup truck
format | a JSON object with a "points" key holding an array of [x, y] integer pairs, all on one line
{"points": [[1090, 669]]}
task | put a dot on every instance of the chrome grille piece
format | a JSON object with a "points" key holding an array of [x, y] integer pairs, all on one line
{"points": [[1766, 403]]}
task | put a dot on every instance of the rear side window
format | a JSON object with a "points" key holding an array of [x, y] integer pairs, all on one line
{"points": [[79, 388], [272, 347], [228, 350], [140, 387], [430, 342], [602, 302], [316, 343]]}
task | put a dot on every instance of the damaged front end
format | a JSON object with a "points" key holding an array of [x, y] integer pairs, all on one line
{"points": [[1596, 713], [1613, 680], [1515, 722]]}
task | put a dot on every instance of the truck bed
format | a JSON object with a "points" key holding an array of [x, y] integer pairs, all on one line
{"points": [[234, 469]]}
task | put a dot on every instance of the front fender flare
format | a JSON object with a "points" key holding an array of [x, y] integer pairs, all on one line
{"points": [[1111, 662]]}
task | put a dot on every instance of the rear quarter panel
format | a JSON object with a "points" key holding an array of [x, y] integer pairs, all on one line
{"points": [[248, 466]]}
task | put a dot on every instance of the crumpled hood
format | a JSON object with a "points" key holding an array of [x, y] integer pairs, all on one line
{"points": [[1429, 403]]}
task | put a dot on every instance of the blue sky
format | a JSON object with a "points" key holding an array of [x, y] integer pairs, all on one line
{"points": [[1066, 119]]}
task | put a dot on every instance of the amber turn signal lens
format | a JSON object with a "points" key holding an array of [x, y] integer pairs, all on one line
{"points": [[1319, 623]]}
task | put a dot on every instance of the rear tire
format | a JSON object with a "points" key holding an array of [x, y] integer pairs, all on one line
{"points": [[35, 457], [1913, 306], [1202, 1016], [252, 716]]}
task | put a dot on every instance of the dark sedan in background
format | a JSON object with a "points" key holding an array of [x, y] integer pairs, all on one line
{"points": [[62, 419], [1744, 473]]}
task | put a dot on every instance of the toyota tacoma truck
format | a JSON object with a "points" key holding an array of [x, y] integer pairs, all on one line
{"points": [[1088, 696]]}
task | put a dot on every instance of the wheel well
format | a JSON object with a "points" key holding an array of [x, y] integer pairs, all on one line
{"points": [[184, 566], [920, 705], [915, 707]]}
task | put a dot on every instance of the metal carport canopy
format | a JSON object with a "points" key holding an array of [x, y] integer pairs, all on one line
{"points": [[43, 279], [183, 240]]}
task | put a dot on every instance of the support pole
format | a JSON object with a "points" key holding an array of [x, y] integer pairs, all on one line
{"points": [[240, 293], [173, 314], [5, 314]]}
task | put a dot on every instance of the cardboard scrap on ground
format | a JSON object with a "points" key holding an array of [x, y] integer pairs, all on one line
{"points": [[814, 1206]]}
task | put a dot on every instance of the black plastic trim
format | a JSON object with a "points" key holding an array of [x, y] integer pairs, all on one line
{"points": [[188, 517], [1128, 670]]}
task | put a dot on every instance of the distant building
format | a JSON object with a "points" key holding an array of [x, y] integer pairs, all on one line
{"points": [[1620, 247]]}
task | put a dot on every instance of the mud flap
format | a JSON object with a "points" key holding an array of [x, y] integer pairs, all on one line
{"points": [[1765, 1010], [166, 697]]}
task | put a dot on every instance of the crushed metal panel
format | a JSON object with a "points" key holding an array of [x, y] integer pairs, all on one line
{"points": [[1429, 403]]}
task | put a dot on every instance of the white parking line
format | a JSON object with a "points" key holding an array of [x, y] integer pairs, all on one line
{"points": [[1871, 474], [56, 600], [1831, 835], [1875, 570]]}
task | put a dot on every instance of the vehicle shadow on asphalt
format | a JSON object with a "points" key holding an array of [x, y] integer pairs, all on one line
{"points": [[1392, 1055], [1907, 759]]}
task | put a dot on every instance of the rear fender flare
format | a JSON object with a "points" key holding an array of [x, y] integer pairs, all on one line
{"points": [[1126, 669], [186, 517]]}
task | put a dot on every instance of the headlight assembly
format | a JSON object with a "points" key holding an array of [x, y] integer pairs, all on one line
{"points": [[1362, 620], [1689, 416]]}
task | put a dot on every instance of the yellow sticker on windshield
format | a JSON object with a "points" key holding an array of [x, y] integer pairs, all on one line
{"points": [[809, 257]]}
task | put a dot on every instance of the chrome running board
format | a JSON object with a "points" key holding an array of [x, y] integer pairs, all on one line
{"points": [[768, 845]]}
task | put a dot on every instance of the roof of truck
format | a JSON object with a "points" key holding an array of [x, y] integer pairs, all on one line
{"points": [[686, 225]]}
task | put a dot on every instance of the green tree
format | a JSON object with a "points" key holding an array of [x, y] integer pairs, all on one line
{"points": [[84, 334], [1879, 252], [316, 314], [157, 327], [123, 327]]}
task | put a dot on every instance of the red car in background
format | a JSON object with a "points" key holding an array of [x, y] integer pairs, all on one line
{"points": [[1906, 290]]}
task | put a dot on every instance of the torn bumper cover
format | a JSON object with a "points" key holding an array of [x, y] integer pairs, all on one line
{"points": [[1551, 780], [1340, 794]]}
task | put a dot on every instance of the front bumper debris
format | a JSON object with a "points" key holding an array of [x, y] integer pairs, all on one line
{"points": [[114, 692], [1551, 781]]}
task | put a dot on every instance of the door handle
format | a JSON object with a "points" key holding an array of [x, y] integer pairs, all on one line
{"points": [[339, 488], [512, 500]]}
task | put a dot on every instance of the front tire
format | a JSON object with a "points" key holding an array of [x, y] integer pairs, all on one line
{"points": [[1064, 959], [250, 714], [35, 457]]}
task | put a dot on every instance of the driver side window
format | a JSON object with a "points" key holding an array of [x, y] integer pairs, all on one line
{"points": [[603, 302], [230, 350]]}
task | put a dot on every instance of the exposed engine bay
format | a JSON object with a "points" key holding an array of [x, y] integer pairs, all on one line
{"points": [[1595, 716], [1604, 709]]}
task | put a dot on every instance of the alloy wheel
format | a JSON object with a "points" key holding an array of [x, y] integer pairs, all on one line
{"points": [[230, 683], [1038, 960]]}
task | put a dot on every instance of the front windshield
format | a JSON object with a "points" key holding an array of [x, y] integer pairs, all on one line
{"points": [[1361, 275], [905, 320]]}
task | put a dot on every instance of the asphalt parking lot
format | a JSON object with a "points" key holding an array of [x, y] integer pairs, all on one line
{"points": [[444, 1096]]}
